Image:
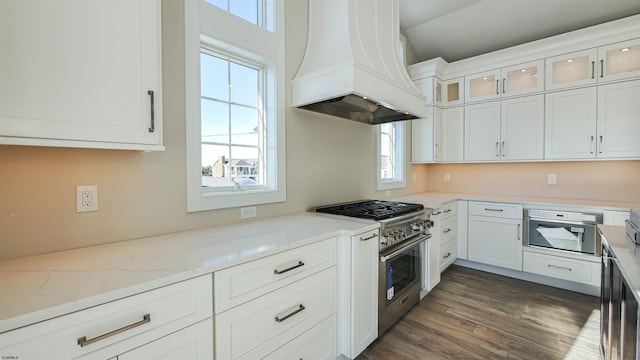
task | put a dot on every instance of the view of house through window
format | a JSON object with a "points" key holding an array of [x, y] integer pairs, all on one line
{"points": [[232, 123]]}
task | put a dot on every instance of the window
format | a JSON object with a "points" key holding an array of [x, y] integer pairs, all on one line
{"points": [[234, 106], [391, 156]]}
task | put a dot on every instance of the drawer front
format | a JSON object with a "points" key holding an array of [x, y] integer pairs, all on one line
{"points": [[448, 230], [448, 255], [170, 308], [270, 321], [245, 282], [562, 268], [446, 210], [508, 211], [319, 343]]}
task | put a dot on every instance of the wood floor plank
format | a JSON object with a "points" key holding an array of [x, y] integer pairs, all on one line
{"points": [[477, 315]]}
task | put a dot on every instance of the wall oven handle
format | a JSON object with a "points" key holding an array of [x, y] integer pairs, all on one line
{"points": [[399, 251]]}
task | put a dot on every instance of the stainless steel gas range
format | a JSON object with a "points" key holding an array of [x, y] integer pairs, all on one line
{"points": [[403, 227]]}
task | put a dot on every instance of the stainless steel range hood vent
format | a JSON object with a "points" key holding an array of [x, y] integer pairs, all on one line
{"points": [[352, 67]]}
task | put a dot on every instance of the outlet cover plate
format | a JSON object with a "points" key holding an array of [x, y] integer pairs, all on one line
{"points": [[86, 198]]}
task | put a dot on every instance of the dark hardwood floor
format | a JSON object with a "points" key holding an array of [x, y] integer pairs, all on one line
{"points": [[477, 315]]}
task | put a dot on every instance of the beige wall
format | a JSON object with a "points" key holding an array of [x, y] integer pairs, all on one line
{"points": [[143, 193], [591, 180]]}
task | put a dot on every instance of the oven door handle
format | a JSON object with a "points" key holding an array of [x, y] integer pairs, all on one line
{"points": [[404, 248]]}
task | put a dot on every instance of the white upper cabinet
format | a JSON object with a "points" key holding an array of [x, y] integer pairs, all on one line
{"points": [[620, 60], [81, 73], [511, 129], [452, 134], [431, 88], [509, 81], [618, 121], [574, 69], [617, 61], [453, 92], [570, 122]]}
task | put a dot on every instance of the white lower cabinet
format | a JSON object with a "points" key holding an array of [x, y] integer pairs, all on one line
{"points": [[564, 268], [192, 343], [495, 234], [271, 306], [363, 288], [142, 323]]}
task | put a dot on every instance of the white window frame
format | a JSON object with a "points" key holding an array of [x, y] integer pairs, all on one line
{"points": [[399, 179], [208, 25]]}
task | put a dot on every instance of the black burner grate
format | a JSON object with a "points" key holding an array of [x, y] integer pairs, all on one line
{"points": [[371, 209]]}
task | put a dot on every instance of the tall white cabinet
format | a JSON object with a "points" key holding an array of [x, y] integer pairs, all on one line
{"points": [[81, 74]]}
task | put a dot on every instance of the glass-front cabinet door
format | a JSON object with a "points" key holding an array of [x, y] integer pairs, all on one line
{"points": [[523, 78], [573, 69], [453, 92], [620, 60], [482, 86]]}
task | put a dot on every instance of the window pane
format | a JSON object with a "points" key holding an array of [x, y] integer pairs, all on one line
{"points": [[215, 122], [244, 128], [245, 165], [214, 77], [222, 4], [244, 85], [214, 166], [246, 9]]}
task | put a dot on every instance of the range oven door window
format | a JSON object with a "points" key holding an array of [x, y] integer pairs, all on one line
{"points": [[401, 273], [564, 236]]}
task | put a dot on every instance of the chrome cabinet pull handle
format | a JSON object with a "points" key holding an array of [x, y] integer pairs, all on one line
{"points": [[436, 146], [374, 235], [497, 87], [559, 267], [447, 210], [489, 209], [281, 319], [437, 213], [503, 148], [600, 146], [446, 230], [153, 117], [447, 255], [601, 68], [593, 69], [280, 272], [503, 82], [83, 341], [518, 231], [497, 145], [591, 146]]}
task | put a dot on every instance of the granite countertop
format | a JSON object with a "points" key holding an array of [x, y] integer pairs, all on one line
{"points": [[41, 287], [627, 253]]}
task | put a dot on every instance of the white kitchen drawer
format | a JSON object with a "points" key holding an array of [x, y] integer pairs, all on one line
{"points": [[448, 253], [501, 210], [446, 210], [562, 268], [318, 343], [261, 326], [245, 282], [170, 308], [448, 230]]}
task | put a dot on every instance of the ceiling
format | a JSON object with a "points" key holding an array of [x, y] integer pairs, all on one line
{"points": [[458, 29]]}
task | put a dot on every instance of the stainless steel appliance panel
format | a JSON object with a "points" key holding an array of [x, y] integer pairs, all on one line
{"points": [[566, 231]]}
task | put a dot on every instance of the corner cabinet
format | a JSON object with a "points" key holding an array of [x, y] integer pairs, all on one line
{"points": [[81, 74]]}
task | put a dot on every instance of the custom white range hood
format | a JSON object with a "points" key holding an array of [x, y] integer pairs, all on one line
{"points": [[352, 66]]}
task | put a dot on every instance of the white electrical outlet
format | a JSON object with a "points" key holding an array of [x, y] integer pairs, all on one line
{"points": [[86, 198], [447, 177], [552, 179], [247, 212]]}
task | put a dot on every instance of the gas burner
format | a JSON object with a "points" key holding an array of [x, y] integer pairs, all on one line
{"points": [[371, 209]]}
